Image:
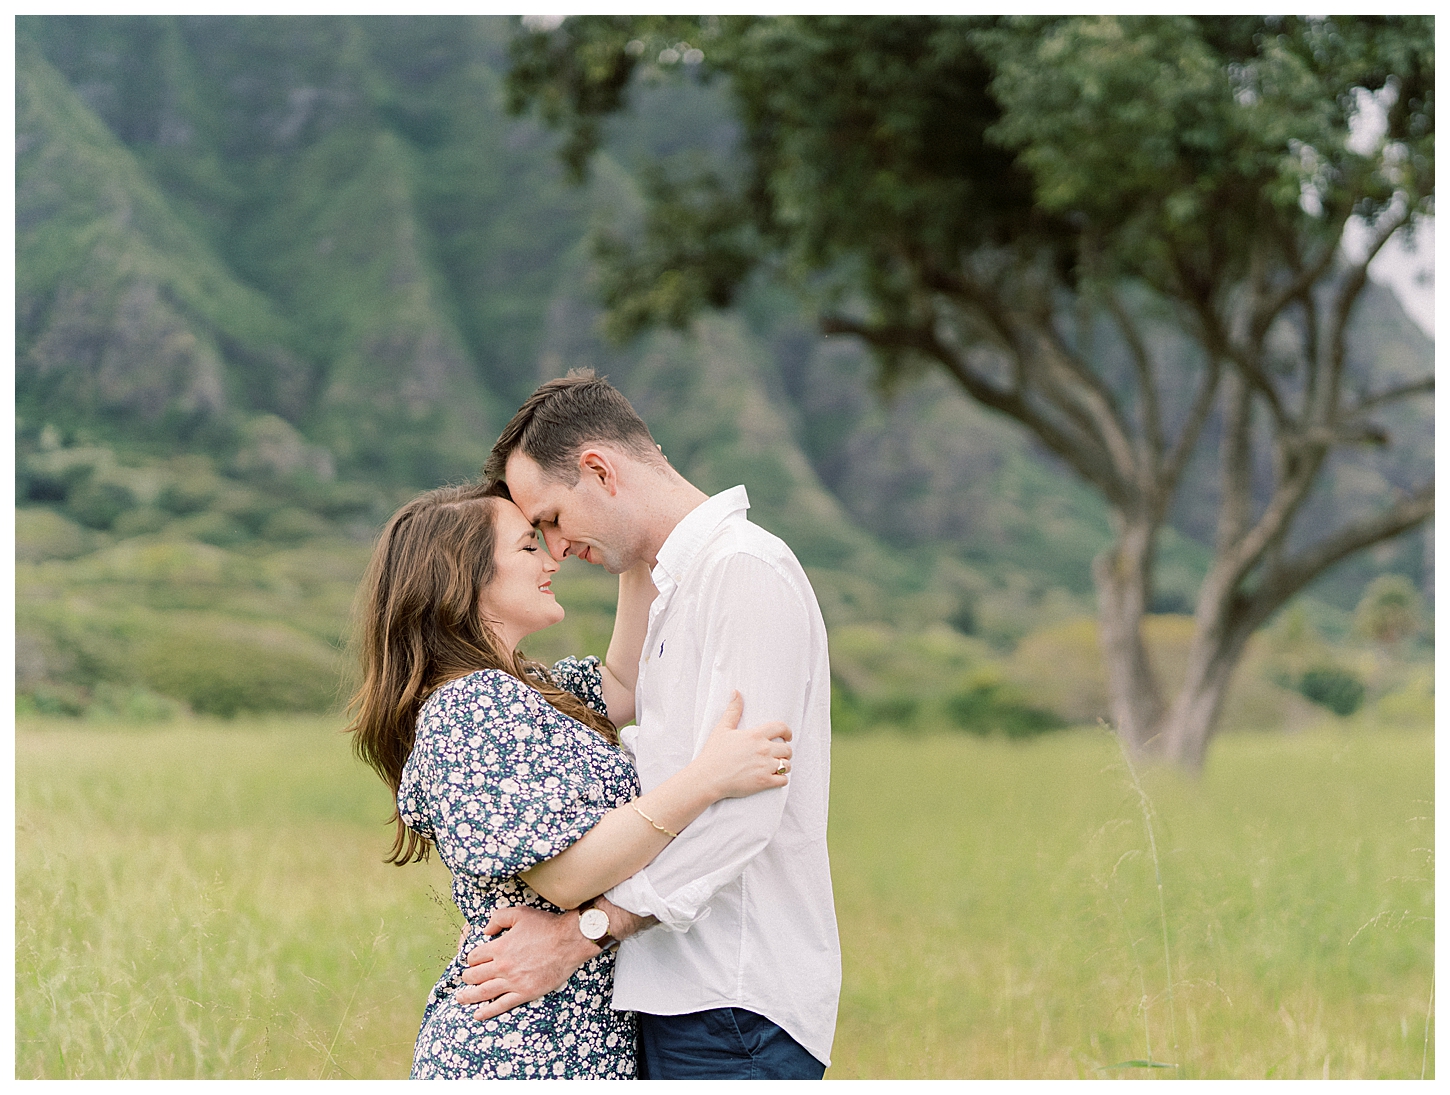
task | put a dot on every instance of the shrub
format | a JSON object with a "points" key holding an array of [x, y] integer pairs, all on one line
{"points": [[248, 508], [851, 713], [292, 526], [97, 503], [66, 645], [216, 529], [987, 708], [51, 699], [38, 479], [39, 486], [846, 716], [1330, 686], [183, 498], [42, 533], [1061, 667], [334, 500], [139, 522], [1390, 610], [898, 709], [130, 703], [964, 616], [225, 667]]}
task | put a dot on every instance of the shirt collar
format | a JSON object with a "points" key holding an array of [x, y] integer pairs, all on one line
{"points": [[690, 535]]}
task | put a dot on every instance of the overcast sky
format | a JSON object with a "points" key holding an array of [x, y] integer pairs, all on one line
{"points": [[1406, 265], [1410, 273]]}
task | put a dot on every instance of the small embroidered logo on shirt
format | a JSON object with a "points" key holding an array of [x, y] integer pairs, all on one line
{"points": [[661, 654]]}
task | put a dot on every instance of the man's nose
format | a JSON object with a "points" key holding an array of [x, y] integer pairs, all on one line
{"points": [[557, 544]]}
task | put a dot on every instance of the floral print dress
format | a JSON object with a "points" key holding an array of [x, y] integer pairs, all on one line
{"points": [[499, 780]]}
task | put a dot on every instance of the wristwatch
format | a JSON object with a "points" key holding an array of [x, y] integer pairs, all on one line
{"points": [[594, 926]]}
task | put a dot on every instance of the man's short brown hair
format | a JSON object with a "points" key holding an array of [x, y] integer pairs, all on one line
{"points": [[561, 418]]}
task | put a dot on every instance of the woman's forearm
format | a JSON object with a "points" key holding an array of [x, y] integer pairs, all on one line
{"points": [[621, 663], [625, 840]]}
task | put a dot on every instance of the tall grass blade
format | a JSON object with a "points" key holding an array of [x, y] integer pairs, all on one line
{"points": [[1429, 1011], [1137, 1064], [1146, 806]]}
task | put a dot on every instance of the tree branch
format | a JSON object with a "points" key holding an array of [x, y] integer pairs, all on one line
{"points": [[1273, 524], [1349, 291], [1082, 453], [1311, 347], [1368, 403], [1303, 281], [1076, 392], [1143, 363], [1046, 366], [1295, 573], [1090, 403], [1101, 398], [1218, 343], [1326, 437], [1198, 413], [1234, 506]]}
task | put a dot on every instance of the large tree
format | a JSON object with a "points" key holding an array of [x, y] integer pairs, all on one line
{"points": [[1019, 202]]}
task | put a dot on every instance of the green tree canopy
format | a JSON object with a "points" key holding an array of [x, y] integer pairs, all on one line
{"points": [[1022, 202]]}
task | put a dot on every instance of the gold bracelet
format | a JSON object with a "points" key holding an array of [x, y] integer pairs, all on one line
{"points": [[653, 822]]}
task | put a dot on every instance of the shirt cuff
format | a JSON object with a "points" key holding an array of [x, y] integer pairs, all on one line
{"points": [[635, 894]]}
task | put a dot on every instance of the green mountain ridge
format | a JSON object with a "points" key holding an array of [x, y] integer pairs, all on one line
{"points": [[123, 314]]}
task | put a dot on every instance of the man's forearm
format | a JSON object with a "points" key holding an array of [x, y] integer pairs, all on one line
{"points": [[621, 662], [538, 953], [622, 922]]}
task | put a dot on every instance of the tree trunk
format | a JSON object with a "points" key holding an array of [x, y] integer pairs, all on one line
{"points": [[1122, 575], [1218, 644]]}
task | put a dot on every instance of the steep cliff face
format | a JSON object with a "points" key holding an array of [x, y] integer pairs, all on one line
{"points": [[123, 313], [310, 295], [346, 233], [234, 229], [399, 396]]}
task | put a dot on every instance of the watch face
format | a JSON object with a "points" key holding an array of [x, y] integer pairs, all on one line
{"points": [[593, 923]]}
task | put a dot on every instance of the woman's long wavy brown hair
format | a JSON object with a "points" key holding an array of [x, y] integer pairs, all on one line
{"points": [[420, 627]]}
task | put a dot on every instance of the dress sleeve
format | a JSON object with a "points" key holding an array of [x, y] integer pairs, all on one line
{"points": [[495, 780], [584, 678]]}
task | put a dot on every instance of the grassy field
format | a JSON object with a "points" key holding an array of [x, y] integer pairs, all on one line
{"points": [[207, 900]]}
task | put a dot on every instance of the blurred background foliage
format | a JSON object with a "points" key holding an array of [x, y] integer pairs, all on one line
{"points": [[275, 275]]}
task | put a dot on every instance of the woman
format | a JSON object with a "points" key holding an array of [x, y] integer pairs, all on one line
{"points": [[515, 773]]}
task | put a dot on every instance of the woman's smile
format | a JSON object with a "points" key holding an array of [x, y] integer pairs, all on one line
{"points": [[520, 563]]}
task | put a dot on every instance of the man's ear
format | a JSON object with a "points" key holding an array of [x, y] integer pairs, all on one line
{"points": [[600, 467]]}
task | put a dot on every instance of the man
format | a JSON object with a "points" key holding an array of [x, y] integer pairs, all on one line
{"points": [[729, 949]]}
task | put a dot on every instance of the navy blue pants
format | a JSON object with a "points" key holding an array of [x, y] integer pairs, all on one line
{"points": [[721, 1044]]}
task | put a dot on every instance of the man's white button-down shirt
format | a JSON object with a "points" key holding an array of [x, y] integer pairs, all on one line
{"points": [[743, 896]]}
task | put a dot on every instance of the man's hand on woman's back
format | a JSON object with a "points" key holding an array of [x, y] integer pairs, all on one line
{"points": [[537, 952]]}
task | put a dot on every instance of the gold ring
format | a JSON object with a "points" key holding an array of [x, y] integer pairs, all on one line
{"points": [[783, 767]]}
